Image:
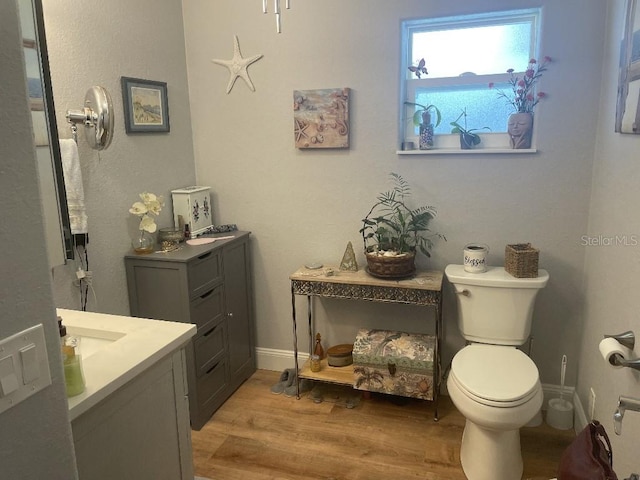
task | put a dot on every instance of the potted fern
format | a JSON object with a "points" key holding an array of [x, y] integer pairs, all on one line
{"points": [[393, 232]]}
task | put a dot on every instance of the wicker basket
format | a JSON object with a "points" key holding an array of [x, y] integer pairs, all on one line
{"points": [[521, 260], [390, 267]]}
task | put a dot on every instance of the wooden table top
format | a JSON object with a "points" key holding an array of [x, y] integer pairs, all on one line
{"points": [[422, 280]]}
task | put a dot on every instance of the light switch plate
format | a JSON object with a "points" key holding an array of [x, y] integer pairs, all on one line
{"points": [[29, 363]]}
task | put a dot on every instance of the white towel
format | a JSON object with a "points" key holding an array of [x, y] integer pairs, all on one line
{"points": [[73, 186]]}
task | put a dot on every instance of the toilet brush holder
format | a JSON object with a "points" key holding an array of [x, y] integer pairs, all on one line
{"points": [[560, 414]]}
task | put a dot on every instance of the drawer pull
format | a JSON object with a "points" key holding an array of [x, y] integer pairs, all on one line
{"points": [[205, 295], [210, 331], [212, 368], [204, 255]]}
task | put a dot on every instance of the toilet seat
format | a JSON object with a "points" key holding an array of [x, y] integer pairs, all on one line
{"points": [[495, 375]]}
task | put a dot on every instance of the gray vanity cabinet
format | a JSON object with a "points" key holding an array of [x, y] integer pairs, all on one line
{"points": [[210, 286]]}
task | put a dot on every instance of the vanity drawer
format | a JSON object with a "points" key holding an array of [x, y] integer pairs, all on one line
{"points": [[207, 309], [209, 348], [204, 271], [210, 385]]}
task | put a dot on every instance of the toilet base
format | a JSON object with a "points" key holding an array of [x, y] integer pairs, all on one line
{"points": [[490, 454]]}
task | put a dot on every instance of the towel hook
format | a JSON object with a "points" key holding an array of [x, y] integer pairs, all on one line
{"points": [[97, 115]]}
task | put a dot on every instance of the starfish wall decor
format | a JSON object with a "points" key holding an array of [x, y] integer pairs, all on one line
{"points": [[238, 66]]}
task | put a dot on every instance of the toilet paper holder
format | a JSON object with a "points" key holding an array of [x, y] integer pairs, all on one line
{"points": [[627, 339]]}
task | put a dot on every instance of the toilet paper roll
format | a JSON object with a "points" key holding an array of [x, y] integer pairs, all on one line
{"points": [[609, 347]]}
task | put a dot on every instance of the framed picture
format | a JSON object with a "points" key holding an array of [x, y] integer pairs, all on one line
{"points": [[145, 105], [628, 105], [321, 118]]}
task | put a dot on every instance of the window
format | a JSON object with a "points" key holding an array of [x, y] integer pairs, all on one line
{"points": [[463, 55]]}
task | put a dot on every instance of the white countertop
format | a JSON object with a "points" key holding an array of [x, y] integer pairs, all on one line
{"points": [[129, 346]]}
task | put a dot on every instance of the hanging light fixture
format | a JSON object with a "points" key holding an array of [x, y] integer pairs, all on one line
{"points": [[276, 10]]}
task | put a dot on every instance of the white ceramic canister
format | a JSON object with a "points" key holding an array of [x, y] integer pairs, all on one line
{"points": [[475, 257]]}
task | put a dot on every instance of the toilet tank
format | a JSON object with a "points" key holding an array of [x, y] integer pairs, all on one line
{"points": [[494, 307]]}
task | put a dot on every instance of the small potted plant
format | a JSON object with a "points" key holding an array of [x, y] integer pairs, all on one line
{"points": [[422, 119], [393, 232], [523, 98], [468, 139]]}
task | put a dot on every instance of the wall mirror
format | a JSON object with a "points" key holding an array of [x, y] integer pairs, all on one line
{"points": [[57, 239], [628, 105]]}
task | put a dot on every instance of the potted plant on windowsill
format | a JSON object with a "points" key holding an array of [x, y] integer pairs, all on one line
{"points": [[468, 139], [422, 119], [523, 98], [393, 232]]}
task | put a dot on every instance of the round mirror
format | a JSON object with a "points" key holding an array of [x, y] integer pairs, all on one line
{"points": [[100, 117]]}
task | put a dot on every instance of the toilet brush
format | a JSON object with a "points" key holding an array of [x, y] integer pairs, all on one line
{"points": [[560, 412], [563, 370]]}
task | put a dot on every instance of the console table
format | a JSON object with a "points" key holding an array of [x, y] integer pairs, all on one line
{"points": [[423, 289]]}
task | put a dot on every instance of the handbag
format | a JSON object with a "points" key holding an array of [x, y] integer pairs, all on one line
{"points": [[589, 456]]}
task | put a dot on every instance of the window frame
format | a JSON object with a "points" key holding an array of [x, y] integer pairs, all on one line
{"points": [[409, 83]]}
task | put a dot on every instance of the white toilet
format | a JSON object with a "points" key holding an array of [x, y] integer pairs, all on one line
{"points": [[492, 383]]}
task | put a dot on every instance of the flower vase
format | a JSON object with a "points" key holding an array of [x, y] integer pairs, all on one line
{"points": [[426, 136], [143, 243], [520, 128]]}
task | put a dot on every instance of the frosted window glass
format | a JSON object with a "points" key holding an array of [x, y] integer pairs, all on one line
{"points": [[484, 108], [481, 50], [462, 56]]}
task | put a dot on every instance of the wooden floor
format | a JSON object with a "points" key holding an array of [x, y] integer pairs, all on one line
{"points": [[259, 435]]}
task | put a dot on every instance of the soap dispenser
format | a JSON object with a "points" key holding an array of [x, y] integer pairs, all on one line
{"points": [[72, 361]]}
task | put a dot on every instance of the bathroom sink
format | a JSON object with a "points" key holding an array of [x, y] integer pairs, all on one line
{"points": [[93, 340], [116, 349]]}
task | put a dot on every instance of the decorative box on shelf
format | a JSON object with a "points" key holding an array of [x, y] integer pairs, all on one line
{"points": [[395, 363], [193, 204]]}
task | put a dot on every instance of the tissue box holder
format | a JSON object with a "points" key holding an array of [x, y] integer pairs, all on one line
{"points": [[395, 363], [521, 260]]}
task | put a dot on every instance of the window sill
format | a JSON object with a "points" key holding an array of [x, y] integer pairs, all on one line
{"points": [[473, 151], [449, 144]]}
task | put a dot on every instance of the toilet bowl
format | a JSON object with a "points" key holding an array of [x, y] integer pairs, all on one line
{"points": [[497, 389], [492, 383]]}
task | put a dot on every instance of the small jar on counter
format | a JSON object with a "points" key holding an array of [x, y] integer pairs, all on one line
{"points": [[315, 363]]}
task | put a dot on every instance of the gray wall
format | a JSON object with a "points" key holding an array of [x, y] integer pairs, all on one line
{"points": [[35, 435], [305, 206], [612, 274], [141, 39]]}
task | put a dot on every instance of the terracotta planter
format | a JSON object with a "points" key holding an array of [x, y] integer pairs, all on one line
{"points": [[520, 128]]}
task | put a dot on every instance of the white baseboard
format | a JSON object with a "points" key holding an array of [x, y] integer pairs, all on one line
{"points": [[279, 360]]}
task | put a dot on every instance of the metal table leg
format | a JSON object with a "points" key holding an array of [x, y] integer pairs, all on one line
{"points": [[295, 339]]}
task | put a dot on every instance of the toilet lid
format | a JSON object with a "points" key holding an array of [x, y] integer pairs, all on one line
{"points": [[495, 373]]}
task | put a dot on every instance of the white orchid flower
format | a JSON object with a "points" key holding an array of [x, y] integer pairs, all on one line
{"points": [[147, 197], [148, 224], [154, 206], [138, 208], [150, 205]]}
